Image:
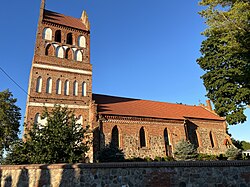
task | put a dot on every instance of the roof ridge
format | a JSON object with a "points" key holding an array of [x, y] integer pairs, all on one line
{"points": [[164, 102]]}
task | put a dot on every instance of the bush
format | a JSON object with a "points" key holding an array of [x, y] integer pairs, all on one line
{"points": [[184, 150], [233, 153], [206, 157], [111, 153]]}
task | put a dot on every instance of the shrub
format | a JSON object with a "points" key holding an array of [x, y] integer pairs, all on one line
{"points": [[206, 157], [233, 153], [111, 153], [184, 150]]}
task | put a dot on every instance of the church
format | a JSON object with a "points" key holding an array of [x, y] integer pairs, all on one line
{"points": [[61, 73]]}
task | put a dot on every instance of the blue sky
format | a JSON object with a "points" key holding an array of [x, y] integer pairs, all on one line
{"points": [[139, 48]]}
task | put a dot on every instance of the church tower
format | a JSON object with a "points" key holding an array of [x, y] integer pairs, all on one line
{"points": [[61, 72]]}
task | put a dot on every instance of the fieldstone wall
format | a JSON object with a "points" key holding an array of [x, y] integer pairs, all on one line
{"points": [[155, 174]]}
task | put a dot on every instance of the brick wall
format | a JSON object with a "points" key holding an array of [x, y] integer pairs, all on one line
{"points": [[197, 131], [210, 173]]}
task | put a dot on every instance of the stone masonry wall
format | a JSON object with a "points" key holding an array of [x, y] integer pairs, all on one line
{"points": [[155, 174], [129, 138]]}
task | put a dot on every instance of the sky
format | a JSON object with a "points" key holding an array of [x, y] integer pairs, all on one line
{"points": [[145, 49]]}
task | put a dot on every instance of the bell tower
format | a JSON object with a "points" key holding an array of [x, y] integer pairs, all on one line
{"points": [[61, 72]]}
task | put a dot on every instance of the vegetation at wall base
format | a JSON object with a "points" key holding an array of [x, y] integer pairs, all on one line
{"points": [[111, 153], [9, 121], [184, 150], [206, 157], [226, 57], [61, 140], [233, 153]]}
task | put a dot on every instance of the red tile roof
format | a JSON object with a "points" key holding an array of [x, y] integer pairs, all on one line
{"points": [[144, 108], [61, 19]]}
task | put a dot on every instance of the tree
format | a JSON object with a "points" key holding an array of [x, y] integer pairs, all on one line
{"points": [[9, 120], [226, 57], [184, 150], [60, 140]]}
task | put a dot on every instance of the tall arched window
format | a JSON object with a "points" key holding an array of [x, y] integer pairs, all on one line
{"points": [[168, 147], [66, 88], [115, 137], [49, 85], [75, 88], [47, 34], [58, 86], [60, 52], [78, 55], [211, 139], [82, 41], [69, 39], [79, 120], [39, 121], [69, 54], [39, 82], [58, 36], [84, 89], [49, 50], [142, 137]]}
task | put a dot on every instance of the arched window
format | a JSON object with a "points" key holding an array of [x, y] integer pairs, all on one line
{"points": [[39, 82], [115, 137], [69, 39], [49, 85], [82, 41], [47, 34], [78, 56], [84, 89], [58, 36], [75, 88], [69, 54], [66, 88], [49, 50], [58, 86], [39, 121], [142, 137], [79, 120], [60, 52], [211, 139], [168, 147]]}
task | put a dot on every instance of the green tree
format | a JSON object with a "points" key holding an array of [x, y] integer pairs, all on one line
{"points": [[9, 120], [60, 140], [226, 56], [184, 150]]}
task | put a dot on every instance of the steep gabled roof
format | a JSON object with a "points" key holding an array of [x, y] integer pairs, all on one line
{"points": [[113, 105], [57, 18]]}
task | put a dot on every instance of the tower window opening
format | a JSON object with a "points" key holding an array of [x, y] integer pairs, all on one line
{"points": [[60, 52], [75, 88], [82, 41], [66, 88], [58, 36], [84, 89], [69, 54], [78, 56], [49, 50], [142, 137], [69, 39], [39, 85], [58, 86], [47, 34], [49, 85]]}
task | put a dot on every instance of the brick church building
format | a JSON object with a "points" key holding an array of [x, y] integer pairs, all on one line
{"points": [[61, 73]]}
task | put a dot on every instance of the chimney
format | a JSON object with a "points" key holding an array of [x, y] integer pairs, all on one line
{"points": [[209, 106]]}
